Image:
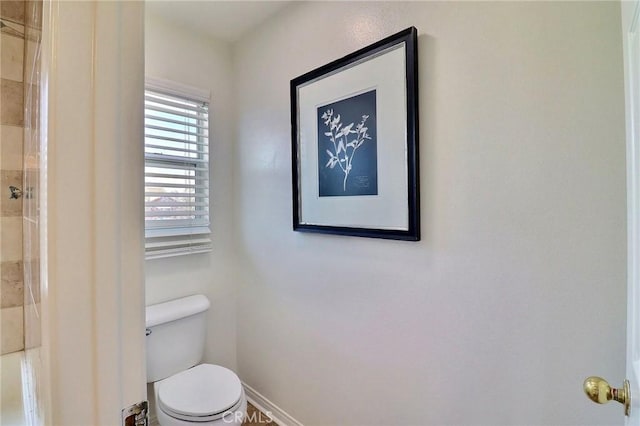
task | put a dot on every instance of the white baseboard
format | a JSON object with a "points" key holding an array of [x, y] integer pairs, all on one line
{"points": [[263, 404]]}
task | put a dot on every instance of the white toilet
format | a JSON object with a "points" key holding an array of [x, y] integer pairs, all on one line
{"points": [[185, 392]]}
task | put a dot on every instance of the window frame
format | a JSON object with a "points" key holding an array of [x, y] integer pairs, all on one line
{"points": [[194, 234]]}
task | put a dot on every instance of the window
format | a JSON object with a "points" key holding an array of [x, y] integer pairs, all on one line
{"points": [[176, 153]]}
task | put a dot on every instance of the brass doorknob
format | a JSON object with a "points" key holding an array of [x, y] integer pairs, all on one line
{"points": [[598, 390]]}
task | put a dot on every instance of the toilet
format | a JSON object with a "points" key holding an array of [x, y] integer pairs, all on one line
{"points": [[187, 393]]}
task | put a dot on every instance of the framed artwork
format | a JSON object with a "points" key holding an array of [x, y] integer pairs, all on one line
{"points": [[354, 131]]}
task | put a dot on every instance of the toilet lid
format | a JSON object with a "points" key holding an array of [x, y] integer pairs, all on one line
{"points": [[204, 390]]}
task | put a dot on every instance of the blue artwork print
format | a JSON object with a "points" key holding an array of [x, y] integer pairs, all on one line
{"points": [[347, 147]]}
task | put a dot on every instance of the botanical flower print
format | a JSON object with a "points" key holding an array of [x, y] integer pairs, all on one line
{"points": [[347, 148]]}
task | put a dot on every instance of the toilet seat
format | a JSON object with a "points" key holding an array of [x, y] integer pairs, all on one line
{"points": [[203, 393], [226, 415]]}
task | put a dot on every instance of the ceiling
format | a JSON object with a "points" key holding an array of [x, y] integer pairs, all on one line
{"points": [[225, 20]]}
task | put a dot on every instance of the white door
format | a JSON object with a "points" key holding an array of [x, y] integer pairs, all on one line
{"points": [[93, 301], [631, 46], [628, 392]]}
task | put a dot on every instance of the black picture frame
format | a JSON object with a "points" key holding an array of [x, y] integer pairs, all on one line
{"points": [[375, 90]]}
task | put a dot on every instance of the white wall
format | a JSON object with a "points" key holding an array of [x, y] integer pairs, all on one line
{"points": [[516, 292], [179, 55]]}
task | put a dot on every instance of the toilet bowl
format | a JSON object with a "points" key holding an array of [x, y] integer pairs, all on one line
{"points": [[187, 393], [205, 394]]}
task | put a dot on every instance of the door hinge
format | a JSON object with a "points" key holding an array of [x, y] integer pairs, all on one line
{"points": [[136, 415]]}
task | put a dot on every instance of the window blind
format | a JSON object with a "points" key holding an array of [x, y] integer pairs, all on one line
{"points": [[176, 148]]}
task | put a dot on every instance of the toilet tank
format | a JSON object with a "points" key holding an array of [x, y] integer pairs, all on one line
{"points": [[175, 335]]}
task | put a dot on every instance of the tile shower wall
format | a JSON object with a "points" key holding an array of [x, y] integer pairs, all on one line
{"points": [[12, 53]]}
